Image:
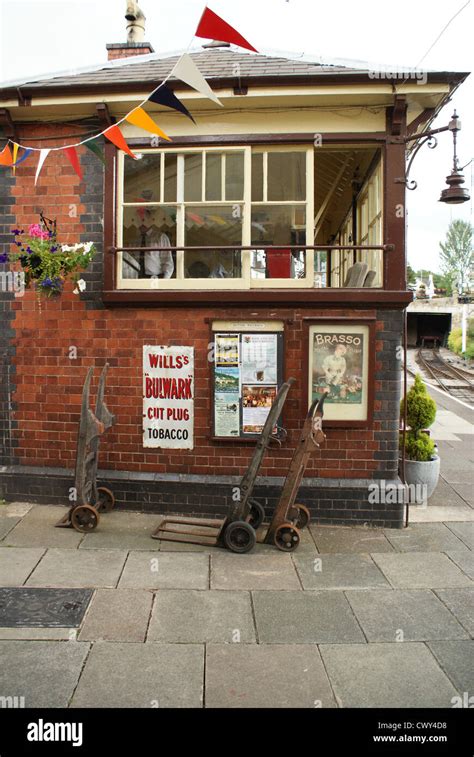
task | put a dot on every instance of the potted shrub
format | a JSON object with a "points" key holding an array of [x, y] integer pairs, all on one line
{"points": [[421, 461]]}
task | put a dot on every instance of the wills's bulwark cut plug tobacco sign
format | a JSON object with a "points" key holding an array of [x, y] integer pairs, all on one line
{"points": [[168, 397]]}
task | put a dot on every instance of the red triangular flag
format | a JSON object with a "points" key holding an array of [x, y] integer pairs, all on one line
{"points": [[71, 154], [212, 26], [114, 134]]}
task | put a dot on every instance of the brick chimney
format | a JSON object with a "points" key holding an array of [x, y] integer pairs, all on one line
{"points": [[135, 35], [127, 49]]}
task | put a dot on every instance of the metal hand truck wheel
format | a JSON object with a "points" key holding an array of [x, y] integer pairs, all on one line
{"points": [[237, 531], [284, 530], [91, 500]]}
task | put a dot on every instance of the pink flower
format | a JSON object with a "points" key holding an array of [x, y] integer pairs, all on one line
{"points": [[35, 230]]}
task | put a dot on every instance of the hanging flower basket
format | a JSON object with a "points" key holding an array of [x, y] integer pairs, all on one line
{"points": [[46, 263]]}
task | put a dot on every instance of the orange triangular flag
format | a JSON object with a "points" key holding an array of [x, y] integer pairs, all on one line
{"points": [[114, 134], [6, 157], [71, 154], [140, 118]]}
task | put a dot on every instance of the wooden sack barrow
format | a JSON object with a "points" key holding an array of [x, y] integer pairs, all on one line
{"points": [[288, 518], [246, 514], [90, 498]]}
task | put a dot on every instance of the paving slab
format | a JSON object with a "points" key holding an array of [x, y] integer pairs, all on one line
{"points": [[455, 475], [188, 617], [457, 660], [142, 675], [386, 675], [45, 673], [6, 524], [424, 537], [16, 509], [461, 604], [259, 675], [420, 570], [466, 491], [273, 570], [465, 531], [445, 494], [346, 571], [404, 615], [440, 514], [16, 564], [341, 539], [464, 559], [117, 615], [305, 617], [151, 570], [73, 568], [37, 529], [118, 530]]}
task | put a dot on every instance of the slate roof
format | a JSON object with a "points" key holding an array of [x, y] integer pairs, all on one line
{"points": [[216, 65]]}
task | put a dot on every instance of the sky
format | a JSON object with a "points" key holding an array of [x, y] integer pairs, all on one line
{"points": [[44, 36]]}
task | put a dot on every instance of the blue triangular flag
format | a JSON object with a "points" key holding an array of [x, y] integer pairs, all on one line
{"points": [[165, 96]]}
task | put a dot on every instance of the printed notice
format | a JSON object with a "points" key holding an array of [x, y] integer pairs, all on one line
{"points": [[259, 359], [168, 397], [256, 403], [227, 413]]}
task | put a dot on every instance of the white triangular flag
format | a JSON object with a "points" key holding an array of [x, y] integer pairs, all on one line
{"points": [[42, 157], [188, 72]]}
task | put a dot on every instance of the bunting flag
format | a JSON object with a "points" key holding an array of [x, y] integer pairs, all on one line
{"points": [[165, 96], [42, 157], [27, 152], [140, 118], [188, 72], [91, 145], [72, 156], [6, 157], [15, 155], [212, 26], [115, 136]]}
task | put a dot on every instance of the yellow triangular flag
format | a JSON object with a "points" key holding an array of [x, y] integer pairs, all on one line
{"points": [[15, 153], [140, 118]]}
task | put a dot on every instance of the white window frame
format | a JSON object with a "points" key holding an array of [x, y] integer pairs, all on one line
{"points": [[245, 281]]}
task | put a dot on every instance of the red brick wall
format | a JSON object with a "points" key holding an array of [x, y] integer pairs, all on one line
{"points": [[49, 383]]}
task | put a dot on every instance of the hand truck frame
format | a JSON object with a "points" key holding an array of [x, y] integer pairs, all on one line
{"points": [[91, 500]]}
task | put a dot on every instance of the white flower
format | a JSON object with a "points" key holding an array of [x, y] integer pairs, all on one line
{"points": [[81, 285]]}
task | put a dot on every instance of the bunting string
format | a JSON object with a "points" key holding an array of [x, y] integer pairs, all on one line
{"points": [[210, 26]]}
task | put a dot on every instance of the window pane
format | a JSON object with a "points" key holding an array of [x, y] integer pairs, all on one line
{"points": [[213, 176], [149, 226], [142, 178], [257, 177], [234, 176], [193, 178], [171, 169], [280, 225], [286, 176], [208, 227]]}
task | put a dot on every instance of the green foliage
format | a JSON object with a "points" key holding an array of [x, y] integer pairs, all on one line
{"points": [[457, 253], [455, 341], [419, 446], [470, 351], [421, 412], [45, 261]]}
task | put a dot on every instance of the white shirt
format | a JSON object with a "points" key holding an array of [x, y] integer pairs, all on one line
{"points": [[156, 261]]}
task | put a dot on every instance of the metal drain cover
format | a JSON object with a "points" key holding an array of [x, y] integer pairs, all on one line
{"points": [[44, 608]]}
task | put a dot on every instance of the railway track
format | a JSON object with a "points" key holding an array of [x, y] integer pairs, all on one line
{"points": [[454, 381]]}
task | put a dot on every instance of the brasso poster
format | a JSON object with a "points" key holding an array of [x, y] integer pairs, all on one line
{"points": [[168, 397], [339, 368]]}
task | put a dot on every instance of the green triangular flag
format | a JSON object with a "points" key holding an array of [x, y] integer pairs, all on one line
{"points": [[95, 149]]}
